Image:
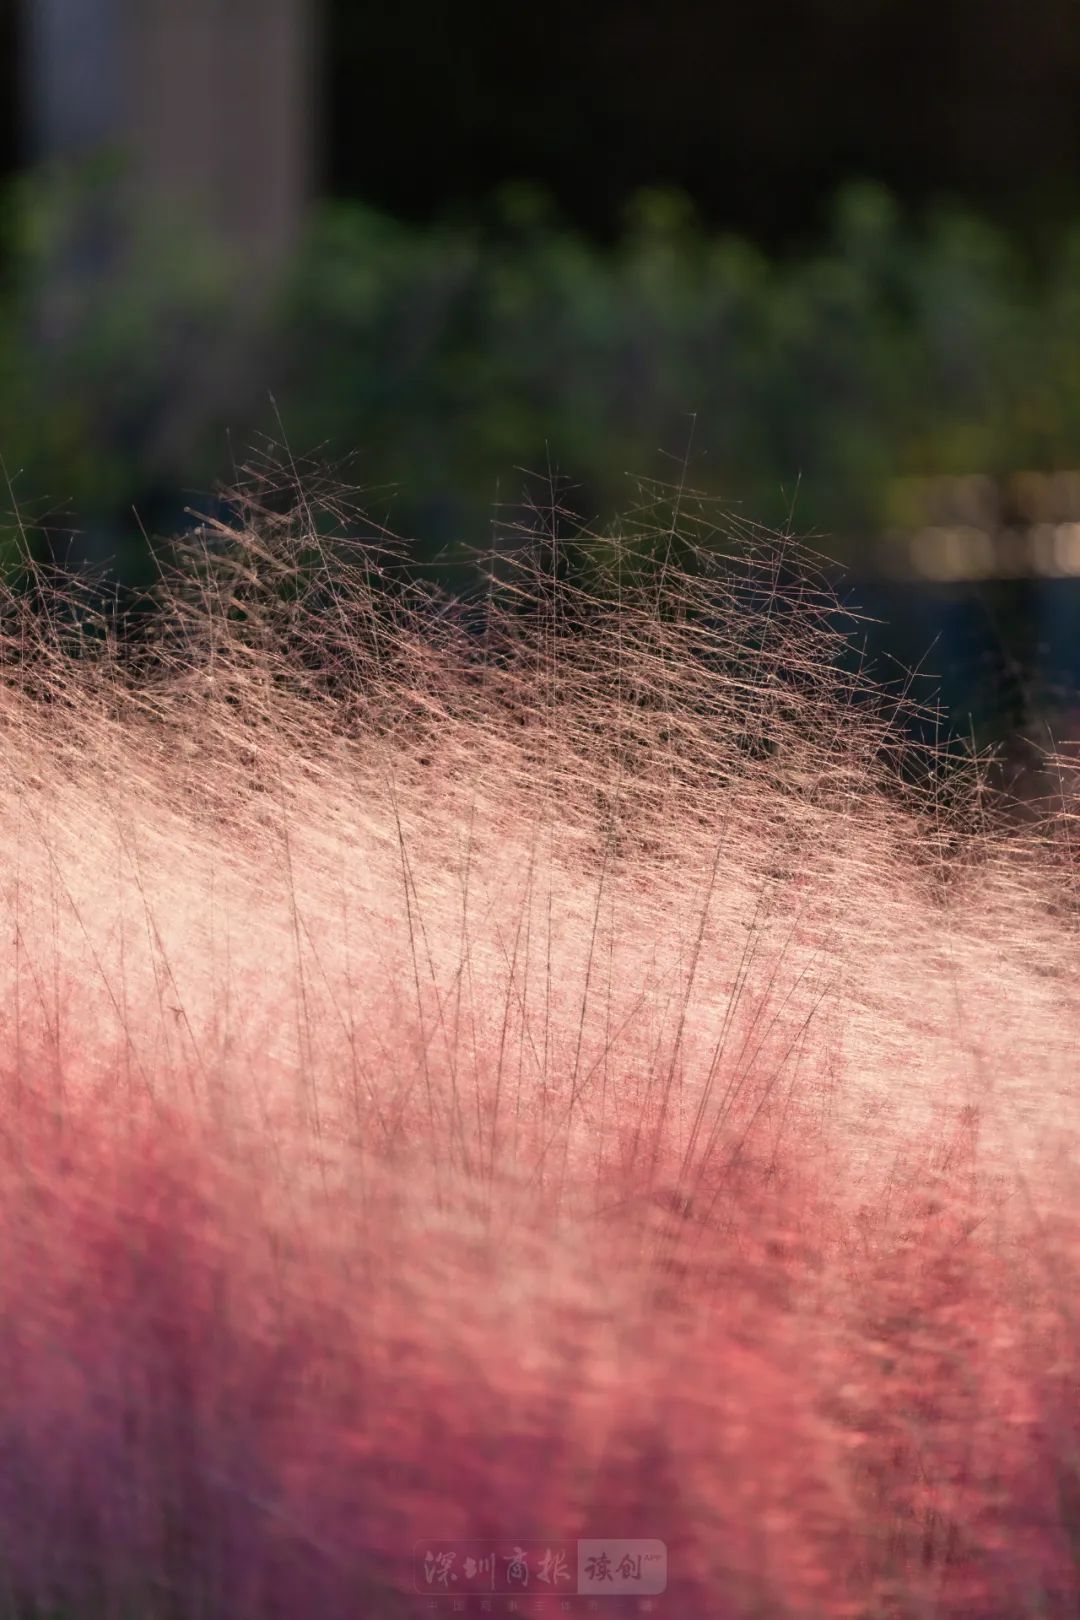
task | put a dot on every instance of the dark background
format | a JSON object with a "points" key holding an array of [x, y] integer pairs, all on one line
{"points": [[822, 257], [758, 111]]}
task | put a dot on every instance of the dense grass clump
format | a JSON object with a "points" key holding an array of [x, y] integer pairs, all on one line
{"points": [[556, 1065]]}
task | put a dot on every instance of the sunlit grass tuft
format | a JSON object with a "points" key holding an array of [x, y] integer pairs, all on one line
{"points": [[557, 1064]]}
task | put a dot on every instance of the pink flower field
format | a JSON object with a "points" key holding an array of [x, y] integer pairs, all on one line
{"points": [[558, 1065]]}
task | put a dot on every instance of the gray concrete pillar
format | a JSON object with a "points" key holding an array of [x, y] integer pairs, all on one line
{"points": [[207, 103]]}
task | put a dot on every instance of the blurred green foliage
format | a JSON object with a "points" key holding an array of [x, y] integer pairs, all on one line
{"points": [[450, 356]]}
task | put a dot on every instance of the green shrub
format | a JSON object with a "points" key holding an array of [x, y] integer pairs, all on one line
{"points": [[449, 356]]}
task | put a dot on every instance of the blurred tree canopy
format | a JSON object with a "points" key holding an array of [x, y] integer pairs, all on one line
{"points": [[450, 355]]}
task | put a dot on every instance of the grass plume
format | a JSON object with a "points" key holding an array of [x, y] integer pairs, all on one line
{"points": [[563, 1062]]}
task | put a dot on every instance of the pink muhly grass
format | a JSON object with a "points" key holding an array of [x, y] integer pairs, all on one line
{"points": [[564, 1066]]}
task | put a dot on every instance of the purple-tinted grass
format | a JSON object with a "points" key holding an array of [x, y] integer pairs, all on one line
{"points": [[561, 1066]]}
